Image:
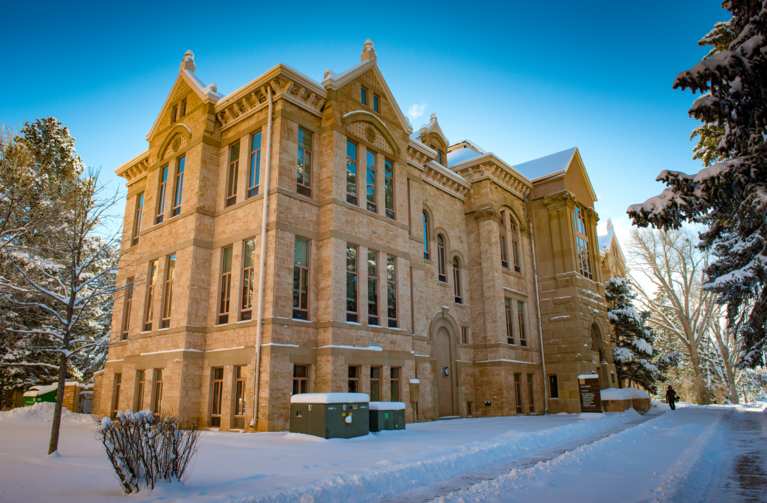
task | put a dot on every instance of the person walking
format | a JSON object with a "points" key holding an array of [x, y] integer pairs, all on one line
{"points": [[671, 397]]}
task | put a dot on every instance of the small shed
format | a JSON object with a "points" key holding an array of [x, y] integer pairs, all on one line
{"points": [[38, 394], [330, 415], [387, 416]]}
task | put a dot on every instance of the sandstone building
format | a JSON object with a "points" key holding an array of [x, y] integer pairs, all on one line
{"points": [[388, 261]]}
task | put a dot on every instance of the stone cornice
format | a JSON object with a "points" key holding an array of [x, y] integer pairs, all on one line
{"points": [[487, 213], [498, 173], [135, 168]]}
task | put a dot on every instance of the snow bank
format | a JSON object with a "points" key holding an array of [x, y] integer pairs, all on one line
{"points": [[43, 413], [387, 405], [330, 398], [636, 393], [615, 394]]}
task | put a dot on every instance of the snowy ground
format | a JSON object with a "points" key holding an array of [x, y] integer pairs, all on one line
{"points": [[665, 457]]}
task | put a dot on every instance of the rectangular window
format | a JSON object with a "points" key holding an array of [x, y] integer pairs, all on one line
{"points": [[389, 188], [351, 283], [157, 400], [469, 409], [371, 181], [354, 379], [582, 243], [521, 318], [364, 96], [375, 384], [426, 253], [395, 385], [128, 307], [441, 267], [301, 280], [300, 379], [391, 290], [116, 402], [509, 323], [179, 189], [515, 245], [151, 282], [373, 288], [182, 110], [351, 173], [161, 193], [304, 166], [518, 392], [530, 395], [137, 218], [174, 114], [216, 397], [464, 335], [141, 389], [375, 103], [457, 281], [239, 397], [553, 389], [231, 174], [248, 279], [504, 253], [170, 273], [226, 285], [439, 157], [254, 175]]}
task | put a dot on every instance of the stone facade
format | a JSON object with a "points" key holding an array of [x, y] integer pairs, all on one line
{"points": [[435, 214]]}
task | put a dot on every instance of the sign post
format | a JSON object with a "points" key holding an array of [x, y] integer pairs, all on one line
{"points": [[588, 385]]}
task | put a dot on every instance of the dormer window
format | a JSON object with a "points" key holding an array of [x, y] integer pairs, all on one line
{"points": [[439, 157], [182, 110], [364, 96], [174, 114], [375, 103]]}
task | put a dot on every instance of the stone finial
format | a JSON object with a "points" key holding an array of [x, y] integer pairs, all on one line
{"points": [[610, 224], [368, 52], [188, 62], [433, 118]]}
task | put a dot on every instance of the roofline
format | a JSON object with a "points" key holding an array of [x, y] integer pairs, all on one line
{"points": [[124, 166], [487, 156]]}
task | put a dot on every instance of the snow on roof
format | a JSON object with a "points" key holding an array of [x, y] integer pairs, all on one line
{"points": [[330, 398], [588, 376], [461, 155], [387, 405], [547, 166], [41, 390]]}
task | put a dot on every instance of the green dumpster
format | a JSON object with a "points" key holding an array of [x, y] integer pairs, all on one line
{"points": [[387, 416], [330, 415], [41, 394]]}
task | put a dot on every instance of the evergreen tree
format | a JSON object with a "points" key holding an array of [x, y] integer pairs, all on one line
{"points": [[729, 197], [634, 355]]}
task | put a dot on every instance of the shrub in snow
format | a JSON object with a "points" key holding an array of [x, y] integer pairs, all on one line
{"points": [[146, 450]]}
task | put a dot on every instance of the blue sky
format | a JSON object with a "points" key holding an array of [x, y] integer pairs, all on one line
{"points": [[522, 79]]}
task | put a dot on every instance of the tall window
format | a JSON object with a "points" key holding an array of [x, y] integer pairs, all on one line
{"points": [[354, 379], [300, 379], [521, 319], [364, 96], [395, 384], [254, 175], [351, 283], [179, 189], [161, 193], [582, 243], [530, 396], [504, 242], [426, 253], [371, 181], [157, 400], [509, 325], [389, 188], [116, 402], [301, 280], [170, 273], [351, 172], [231, 174], [553, 389], [515, 245], [442, 273], [248, 279], [457, 280], [141, 389], [375, 384], [216, 395], [391, 290], [518, 392], [226, 285], [174, 114], [439, 156], [464, 335], [304, 167], [375, 103], [239, 397], [137, 218], [373, 288], [182, 109], [128, 307], [151, 282]]}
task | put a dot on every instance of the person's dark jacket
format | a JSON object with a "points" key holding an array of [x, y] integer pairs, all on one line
{"points": [[670, 396]]}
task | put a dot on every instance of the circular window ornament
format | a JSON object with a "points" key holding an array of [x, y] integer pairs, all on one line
{"points": [[176, 143], [370, 134]]}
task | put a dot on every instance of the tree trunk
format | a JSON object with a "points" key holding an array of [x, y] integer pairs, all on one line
{"points": [[731, 383], [701, 392], [54, 444]]}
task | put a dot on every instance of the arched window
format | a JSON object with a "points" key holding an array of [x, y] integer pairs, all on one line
{"points": [[441, 258], [457, 280], [515, 245], [425, 236], [504, 241]]}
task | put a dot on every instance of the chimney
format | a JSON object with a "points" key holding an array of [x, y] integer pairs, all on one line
{"points": [[188, 62], [368, 52]]}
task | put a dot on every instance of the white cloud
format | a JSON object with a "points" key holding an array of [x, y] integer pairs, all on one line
{"points": [[415, 111]]}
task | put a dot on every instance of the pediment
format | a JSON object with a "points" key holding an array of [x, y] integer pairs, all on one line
{"points": [[367, 126]]}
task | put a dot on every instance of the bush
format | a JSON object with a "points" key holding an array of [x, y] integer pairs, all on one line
{"points": [[146, 450]]}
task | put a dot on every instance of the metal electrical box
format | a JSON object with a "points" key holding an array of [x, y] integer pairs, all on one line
{"points": [[330, 415], [387, 416]]}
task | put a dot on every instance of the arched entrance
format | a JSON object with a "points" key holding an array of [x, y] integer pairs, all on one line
{"points": [[443, 349]]}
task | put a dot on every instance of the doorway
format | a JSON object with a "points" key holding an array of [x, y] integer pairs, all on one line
{"points": [[443, 346]]}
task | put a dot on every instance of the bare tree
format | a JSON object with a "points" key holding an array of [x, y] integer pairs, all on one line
{"points": [[723, 353], [671, 262]]}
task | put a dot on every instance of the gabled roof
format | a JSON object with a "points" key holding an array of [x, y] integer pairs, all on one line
{"points": [[463, 151], [431, 127], [556, 165], [335, 80], [606, 240]]}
